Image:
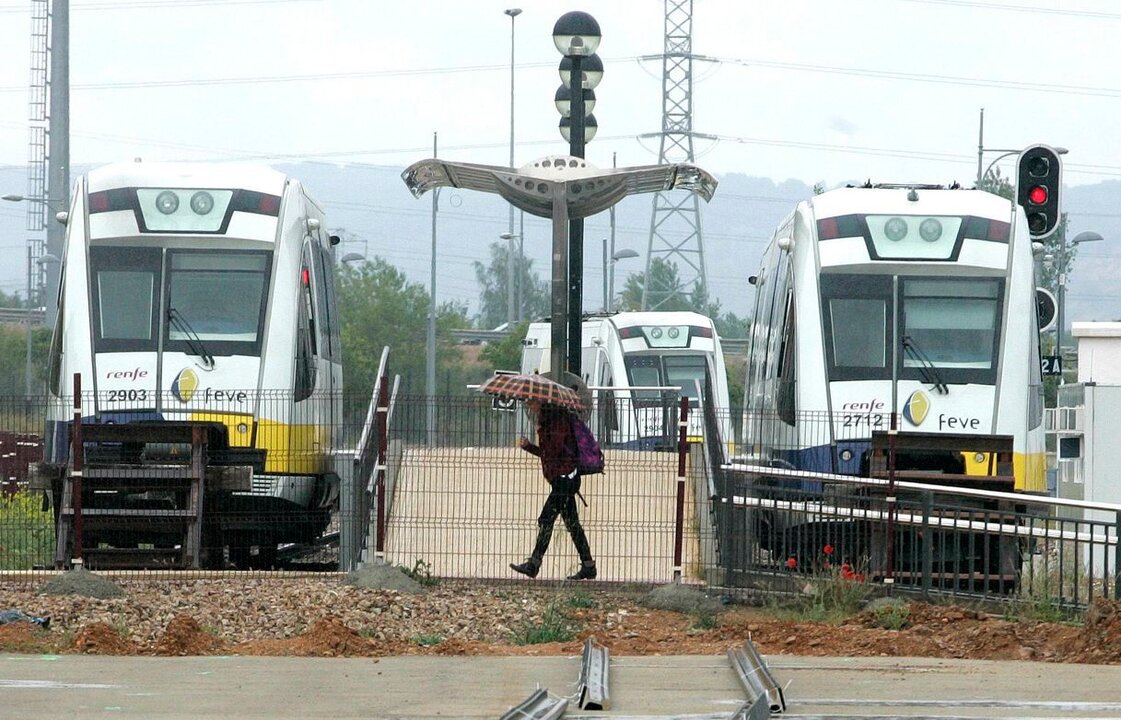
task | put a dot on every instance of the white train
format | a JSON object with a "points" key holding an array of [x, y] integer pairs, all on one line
{"points": [[627, 357], [205, 293], [916, 301]]}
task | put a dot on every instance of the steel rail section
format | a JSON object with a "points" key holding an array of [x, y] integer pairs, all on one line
{"points": [[756, 678], [756, 709], [593, 690], [538, 706]]}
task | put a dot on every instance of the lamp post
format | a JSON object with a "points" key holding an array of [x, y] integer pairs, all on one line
{"points": [[576, 36], [609, 273], [561, 188], [513, 276], [1064, 265], [511, 313]]}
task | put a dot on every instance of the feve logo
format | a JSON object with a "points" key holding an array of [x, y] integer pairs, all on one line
{"points": [[916, 408], [184, 385]]}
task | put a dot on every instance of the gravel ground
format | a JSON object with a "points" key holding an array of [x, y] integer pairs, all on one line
{"points": [[383, 612]]}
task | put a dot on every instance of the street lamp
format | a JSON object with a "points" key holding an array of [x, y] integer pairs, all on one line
{"points": [[576, 36], [609, 272], [1064, 263], [558, 187], [511, 313], [514, 276]]}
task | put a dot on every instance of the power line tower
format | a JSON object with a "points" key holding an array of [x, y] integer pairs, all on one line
{"points": [[48, 154], [675, 226], [36, 197]]}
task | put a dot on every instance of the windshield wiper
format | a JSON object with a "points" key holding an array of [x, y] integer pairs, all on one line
{"points": [[194, 342], [927, 368]]}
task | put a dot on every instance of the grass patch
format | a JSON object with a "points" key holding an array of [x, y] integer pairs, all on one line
{"points": [[705, 621], [27, 535], [581, 599], [892, 616], [830, 596], [421, 572], [428, 639], [554, 626]]}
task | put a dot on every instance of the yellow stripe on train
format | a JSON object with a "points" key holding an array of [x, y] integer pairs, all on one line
{"points": [[289, 449]]}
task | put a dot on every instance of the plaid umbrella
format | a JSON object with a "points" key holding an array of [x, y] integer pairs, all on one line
{"points": [[530, 387]]}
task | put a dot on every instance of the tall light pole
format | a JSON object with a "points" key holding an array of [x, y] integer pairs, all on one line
{"points": [[609, 273], [1064, 266], [576, 36], [430, 344], [511, 313], [30, 273]]}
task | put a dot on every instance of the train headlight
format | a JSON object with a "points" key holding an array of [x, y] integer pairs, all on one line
{"points": [[979, 457], [846, 454], [656, 333], [167, 202], [895, 229], [202, 202], [673, 332], [242, 428], [930, 229]]}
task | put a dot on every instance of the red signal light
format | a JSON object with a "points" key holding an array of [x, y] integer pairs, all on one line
{"points": [[1037, 195]]}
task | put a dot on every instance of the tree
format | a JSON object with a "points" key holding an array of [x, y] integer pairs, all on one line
{"points": [[380, 307], [662, 287], [506, 354], [493, 297]]}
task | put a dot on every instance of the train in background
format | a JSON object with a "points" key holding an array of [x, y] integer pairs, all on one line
{"points": [[204, 293], [627, 358], [914, 302]]}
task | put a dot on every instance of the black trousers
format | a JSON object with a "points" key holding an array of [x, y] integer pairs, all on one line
{"points": [[561, 501]]}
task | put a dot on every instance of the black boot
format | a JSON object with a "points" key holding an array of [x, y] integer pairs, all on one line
{"points": [[587, 571], [529, 568]]}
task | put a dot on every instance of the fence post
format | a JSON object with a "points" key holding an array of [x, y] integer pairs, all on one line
{"points": [[379, 482], [682, 453], [927, 544], [76, 473], [1117, 558], [889, 571]]}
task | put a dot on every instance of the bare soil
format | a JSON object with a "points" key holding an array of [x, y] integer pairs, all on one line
{"points": [[329, 617]]}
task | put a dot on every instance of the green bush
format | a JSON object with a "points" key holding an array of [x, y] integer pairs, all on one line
{"points": [[27, 536]]}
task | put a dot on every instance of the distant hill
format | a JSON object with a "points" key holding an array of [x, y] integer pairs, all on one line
{"points": [[381, 218]]}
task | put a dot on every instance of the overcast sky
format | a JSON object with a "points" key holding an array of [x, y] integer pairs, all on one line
{"points": [[816, 90]]}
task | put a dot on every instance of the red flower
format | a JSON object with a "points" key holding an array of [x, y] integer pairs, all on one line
{"points": [[828, 549], [791, 562]]}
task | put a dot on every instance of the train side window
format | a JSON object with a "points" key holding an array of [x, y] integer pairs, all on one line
{"points": [[786, 365], [305, 339], [54, 362], [330, 307]]}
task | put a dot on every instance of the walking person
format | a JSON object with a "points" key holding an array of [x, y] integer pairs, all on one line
{"points": [[557, 449]]}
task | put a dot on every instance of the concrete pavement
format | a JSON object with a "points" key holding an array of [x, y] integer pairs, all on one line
{"points": [[695, 687]]}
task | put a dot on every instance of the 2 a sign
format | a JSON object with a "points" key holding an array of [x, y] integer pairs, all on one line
{"points": [[1051, 365]]}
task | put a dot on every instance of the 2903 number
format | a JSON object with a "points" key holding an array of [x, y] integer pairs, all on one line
{"points": [[131, 395]]}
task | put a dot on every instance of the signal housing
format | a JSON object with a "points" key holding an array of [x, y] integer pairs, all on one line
{"points": [[1039, 174]]}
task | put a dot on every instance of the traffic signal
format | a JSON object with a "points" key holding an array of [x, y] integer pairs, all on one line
{"points": [[1038, 178]]}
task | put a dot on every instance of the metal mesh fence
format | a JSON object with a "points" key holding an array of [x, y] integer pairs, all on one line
{"points": [[255, 482]]}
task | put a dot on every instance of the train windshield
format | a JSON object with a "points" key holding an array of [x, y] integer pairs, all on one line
{"points": [[217, 298], [684, 371], [949, 324]]}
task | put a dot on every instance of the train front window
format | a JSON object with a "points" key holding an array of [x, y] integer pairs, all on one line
{"points": [[687, 371], [125, 293], [653, 371], [221, 298], [857, 314], [954, 323]]}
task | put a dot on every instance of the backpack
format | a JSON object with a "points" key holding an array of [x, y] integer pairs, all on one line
{"points": [[589, 457]]}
